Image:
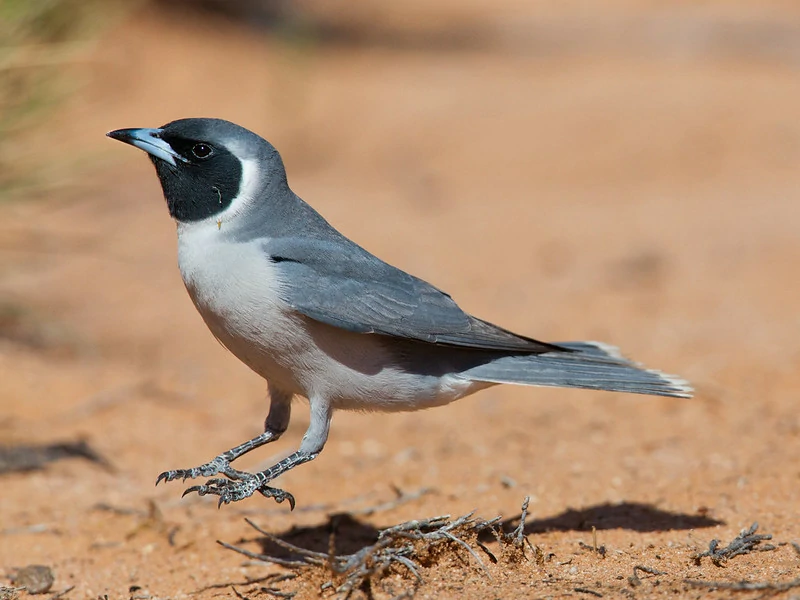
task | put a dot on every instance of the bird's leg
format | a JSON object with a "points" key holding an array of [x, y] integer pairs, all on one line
{"points": [[276, 423], [312, 444]]}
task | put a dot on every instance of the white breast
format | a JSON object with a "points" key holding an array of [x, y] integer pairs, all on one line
{"points": [[236, 289]]}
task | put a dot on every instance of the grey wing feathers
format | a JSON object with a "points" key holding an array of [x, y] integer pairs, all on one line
{"points": [[339, 283]]}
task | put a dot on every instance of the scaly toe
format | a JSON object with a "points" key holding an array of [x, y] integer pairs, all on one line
{"points": [[278, 494], [230, 490], [168, 476], [223, 488], [200, 489], [214, 467]]}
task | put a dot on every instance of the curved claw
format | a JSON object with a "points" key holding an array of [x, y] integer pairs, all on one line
{"points": [[168, 476], [278, 495], [200, 489]]}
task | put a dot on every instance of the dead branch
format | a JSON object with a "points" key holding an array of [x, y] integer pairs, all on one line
{"points": [[636, 581], [746, 542], [272, 578], [745, 586], [406, 546]]}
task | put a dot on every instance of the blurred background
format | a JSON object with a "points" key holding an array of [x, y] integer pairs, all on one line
{"points": [[624, 171]]}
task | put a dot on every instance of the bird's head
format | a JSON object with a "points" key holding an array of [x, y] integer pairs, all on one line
{"points": [[207, 166]]}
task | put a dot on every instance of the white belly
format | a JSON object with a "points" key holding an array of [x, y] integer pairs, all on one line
{"points": [[237, 292]]}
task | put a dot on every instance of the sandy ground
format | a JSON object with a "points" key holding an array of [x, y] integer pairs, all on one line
{"points": [[585, 188]]}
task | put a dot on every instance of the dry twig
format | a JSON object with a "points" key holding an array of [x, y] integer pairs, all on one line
{"points": [[636, 581], [62, 593], [10, 593], [745, 586], [407, 547], [581, 590], [519, 532], [747, 541], [272, 578]]}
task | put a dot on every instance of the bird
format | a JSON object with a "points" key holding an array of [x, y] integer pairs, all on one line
{"points": [[319, 317]]}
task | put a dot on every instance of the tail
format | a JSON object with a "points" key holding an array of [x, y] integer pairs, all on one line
{"points": [[589, 365]]}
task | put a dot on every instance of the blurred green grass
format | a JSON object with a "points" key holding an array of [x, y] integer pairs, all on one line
{"points": [[41, 41]]}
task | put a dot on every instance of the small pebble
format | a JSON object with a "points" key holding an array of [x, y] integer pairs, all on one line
{"points": [[507, 482], [36, 579]]}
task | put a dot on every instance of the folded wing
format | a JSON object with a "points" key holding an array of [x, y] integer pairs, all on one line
{"points": [[341, 284]]}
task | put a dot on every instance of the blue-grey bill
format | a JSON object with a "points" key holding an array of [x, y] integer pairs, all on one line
{"points": [[148, 140]]}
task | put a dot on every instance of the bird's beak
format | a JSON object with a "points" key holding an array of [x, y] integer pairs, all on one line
{"points": [[150, 141]]}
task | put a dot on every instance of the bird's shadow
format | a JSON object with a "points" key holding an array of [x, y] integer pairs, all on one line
{"points": [[341, 534], [344, 534], [633, 516]]}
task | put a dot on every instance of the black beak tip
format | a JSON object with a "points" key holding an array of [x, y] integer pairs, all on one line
{"points": [[118, 134]]}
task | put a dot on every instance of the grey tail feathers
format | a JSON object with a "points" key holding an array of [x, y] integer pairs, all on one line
{"points": [[590, 365]]}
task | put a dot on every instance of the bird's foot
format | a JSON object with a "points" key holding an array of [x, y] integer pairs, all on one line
{"points": [[233, 491], [220, 465]]}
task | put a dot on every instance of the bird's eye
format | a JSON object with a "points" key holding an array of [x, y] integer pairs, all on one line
{"points": [[201, 150]]}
